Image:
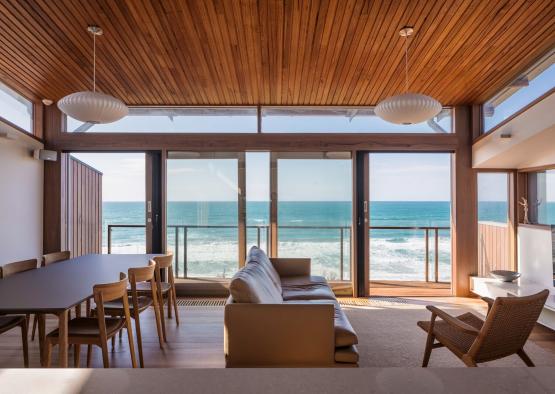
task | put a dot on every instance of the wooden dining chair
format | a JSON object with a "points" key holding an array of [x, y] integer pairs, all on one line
{"points": [[139, 303], [508, 325], [11, 321], [58, 257], [165, 289], [99, 329], [16, 268]]}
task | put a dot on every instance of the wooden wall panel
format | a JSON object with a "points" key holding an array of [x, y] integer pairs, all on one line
{"points": [[494, 248], [84, 208], [274, 52]]}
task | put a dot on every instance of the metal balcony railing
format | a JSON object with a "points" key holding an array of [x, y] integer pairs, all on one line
{"points": [[344, 234]]}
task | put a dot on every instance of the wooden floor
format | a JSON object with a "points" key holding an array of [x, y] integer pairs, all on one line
{"points": [[196, 343], [409, 288]]}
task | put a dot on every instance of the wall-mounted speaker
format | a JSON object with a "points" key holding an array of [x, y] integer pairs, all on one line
{"points": [[47, 155]]}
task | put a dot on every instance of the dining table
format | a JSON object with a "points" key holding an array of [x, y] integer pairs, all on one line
{"points": [[57, 288]]}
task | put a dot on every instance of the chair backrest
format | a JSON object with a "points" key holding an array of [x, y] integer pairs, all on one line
{"points": [[507, 326], [110, 292], [51, 258], [164, 261], [142, 274], [17, 267]]}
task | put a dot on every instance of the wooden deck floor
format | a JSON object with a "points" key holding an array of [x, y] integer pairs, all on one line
{"points": [[409, 288]]}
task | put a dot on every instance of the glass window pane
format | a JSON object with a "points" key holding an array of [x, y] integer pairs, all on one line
{"points": [[494, 249], [541, 197], [493, 199], [16, 109], [343, 120], [525, 89], [202, 209], [315, 212], [176, 120]]}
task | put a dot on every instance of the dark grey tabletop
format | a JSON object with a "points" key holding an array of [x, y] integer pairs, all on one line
{"points": [[62, 285]]}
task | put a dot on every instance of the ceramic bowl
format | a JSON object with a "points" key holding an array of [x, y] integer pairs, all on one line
{"points": [[505, 276]]}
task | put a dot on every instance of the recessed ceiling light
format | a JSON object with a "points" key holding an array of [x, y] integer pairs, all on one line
{"points": [[47, 102]]}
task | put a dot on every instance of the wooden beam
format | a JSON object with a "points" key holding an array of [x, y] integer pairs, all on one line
{"points": [[241, 142], [464, 216], [55, 180]]}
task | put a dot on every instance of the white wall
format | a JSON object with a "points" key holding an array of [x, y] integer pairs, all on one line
{"points": [[535, 255], [21, 188]]}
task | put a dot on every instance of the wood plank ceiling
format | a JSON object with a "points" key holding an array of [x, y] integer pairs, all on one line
{"points": [[273, 52]]}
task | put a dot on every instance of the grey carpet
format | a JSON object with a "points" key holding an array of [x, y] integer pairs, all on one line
{"points": [[389, 337]]}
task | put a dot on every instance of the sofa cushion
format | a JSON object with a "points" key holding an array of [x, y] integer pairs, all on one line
{"points": [[257, 256], [306, 288], [253, 285], [345, 335], [347, 354]]}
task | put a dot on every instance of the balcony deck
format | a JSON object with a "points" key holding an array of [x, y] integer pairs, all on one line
{"points": [[409, 288]]}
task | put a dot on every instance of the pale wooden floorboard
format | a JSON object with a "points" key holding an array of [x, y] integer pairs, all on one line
{"points": [[197, 342]]}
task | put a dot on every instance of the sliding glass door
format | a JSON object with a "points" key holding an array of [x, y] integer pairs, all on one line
{"points": [[410, 219], [205, 213], [121, 200], [312, 210]]}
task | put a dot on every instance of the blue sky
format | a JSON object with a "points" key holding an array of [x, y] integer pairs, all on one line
{"points": [[394, 177]]}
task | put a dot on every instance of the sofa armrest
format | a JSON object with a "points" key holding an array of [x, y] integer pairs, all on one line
{"points": [[291, 266], [271, 335]]}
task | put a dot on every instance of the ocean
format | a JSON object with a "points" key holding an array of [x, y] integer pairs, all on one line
{"points": [[316, 229]]}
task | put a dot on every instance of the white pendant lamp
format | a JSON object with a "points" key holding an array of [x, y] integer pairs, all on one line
{"points": [[408, 108], [93, 107]]}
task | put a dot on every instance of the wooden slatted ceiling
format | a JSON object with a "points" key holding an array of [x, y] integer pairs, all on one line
{"points": [[273, 52]]}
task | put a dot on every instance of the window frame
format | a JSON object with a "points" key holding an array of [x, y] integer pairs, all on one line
{"points": [[259, 122], [32, 124], [533, 69]]}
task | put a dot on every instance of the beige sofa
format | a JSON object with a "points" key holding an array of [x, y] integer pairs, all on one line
{"points": [[278, 315]]}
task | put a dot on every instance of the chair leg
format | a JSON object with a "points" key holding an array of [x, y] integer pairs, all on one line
{"points": [[47, 353], [114, 342], [468, 361], [105, 361], [428, 350], [120, 334], [139, 339], [159, 326], [76, 355], [175, 306], [25, 343], [162, 319], [170, 304], [35, 323], [89, 356], [522, 354]]}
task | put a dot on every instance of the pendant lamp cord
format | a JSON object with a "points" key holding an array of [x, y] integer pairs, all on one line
{"points": [[406, 63], [94, 62]]}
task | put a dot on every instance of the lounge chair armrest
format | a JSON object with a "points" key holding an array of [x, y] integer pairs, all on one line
{"points": [[452, 320], [291, 266]]}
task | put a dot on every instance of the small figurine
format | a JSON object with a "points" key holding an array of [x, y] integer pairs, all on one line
{"points": [[524, 204], [526, 207]]}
